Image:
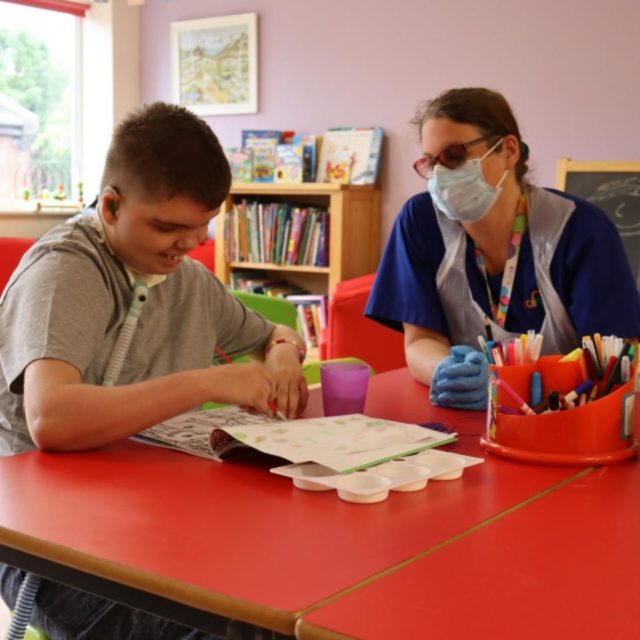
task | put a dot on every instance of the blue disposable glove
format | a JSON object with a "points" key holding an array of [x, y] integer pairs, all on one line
{"points": [[460, 380]]}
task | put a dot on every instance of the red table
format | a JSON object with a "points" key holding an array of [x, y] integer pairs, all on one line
{"points": [[231, 538], [565, 566]]}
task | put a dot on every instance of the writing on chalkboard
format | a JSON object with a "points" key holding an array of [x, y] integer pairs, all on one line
{"points": [[615, 188]]}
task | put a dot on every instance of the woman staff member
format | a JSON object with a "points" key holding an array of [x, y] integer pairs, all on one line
{"points": [[484, 251]]}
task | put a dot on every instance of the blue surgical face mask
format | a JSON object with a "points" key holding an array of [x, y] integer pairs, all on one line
{"points": [[463, 194]]}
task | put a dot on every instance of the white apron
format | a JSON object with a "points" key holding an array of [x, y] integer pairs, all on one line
{"points": [[548, 214]]}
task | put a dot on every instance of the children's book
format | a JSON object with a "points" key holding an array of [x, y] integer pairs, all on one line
{"points": [[336, 164], [309, 144], [342, 443], [241, 163], [289, 163], [361, 145], [263, 143]]}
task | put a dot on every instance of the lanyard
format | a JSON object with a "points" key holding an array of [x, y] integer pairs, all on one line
{"points": [[499, 309]]}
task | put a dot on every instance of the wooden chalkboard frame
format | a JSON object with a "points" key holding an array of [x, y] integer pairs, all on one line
{"points": [[567, 167]]}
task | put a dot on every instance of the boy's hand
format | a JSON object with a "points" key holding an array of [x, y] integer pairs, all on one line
{"points": [[291, 393], [249, 385]]}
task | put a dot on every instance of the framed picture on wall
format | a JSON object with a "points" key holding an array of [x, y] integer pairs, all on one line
{"points": [[214, 64]]}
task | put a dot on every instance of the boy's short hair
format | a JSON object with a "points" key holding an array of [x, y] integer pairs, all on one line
{"points": [[163, 150]]}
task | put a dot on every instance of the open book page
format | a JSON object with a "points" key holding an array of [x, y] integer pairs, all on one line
{"points": [[343, 443], [202, 433]]}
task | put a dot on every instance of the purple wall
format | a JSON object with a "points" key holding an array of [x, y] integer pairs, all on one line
{"points": [[569, 69]]}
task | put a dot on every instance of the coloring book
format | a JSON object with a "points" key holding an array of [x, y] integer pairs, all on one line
{"points": [[343, 443]]}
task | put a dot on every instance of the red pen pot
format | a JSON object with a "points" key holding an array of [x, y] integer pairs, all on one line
{"points": [[599, 432]]}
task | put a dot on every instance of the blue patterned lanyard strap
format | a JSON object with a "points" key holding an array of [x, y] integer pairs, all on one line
{"points": [[499, 309]]}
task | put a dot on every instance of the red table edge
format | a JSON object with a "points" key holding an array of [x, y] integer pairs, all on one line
{"points": [[183, 593], [305, 630]]}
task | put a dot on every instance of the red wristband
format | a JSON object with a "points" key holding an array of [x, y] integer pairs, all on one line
{"points": [[302, 352]]}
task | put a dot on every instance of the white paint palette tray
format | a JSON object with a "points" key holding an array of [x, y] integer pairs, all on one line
{"points": [[409, 473]]}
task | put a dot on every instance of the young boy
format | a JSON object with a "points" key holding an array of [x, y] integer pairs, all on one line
{"points": [[64, 387]]}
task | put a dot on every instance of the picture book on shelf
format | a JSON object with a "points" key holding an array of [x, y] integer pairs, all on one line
{"points": [[361, 145], [309, 142], [289, 163], [312, 316], [342, 443], [241, 163], [336, 164], [263, 143]]}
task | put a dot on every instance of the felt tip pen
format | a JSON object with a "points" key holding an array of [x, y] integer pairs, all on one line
{"points": [[534, 353], [542, 406], [576, 354], [615, 372], [584, 387], [536, 388], [554, 402], [522, 405], [274, 407], [625, 369], [503, 408]]}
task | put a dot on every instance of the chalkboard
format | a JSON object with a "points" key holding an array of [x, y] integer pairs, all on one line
{"points": [[615, 188]]}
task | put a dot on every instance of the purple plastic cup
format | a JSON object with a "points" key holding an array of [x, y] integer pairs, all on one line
{"points": [[344, 387]]}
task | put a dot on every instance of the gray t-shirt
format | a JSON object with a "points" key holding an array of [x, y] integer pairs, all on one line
{"points": [[67, 300]]}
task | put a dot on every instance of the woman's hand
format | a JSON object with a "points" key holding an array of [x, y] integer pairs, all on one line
{"points": [[460, 380]]}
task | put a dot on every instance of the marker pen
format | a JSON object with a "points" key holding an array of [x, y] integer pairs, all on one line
{"points": [[576, 354], [554, 402], [583, 387], [615, 372], [536, 388], [503, 408], [277, 413], [534, 353], [542, 406], [522, 405], [625, 369]]}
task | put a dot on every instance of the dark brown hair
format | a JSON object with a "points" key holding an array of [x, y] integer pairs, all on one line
{"points": [[485, 109], [163, 150]]}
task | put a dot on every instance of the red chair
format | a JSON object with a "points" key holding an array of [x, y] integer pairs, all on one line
{"points": [[11, 250], [350, 334], [205, 253]]}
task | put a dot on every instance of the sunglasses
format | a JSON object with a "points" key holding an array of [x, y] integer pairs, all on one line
{"points": [[451, 157]]}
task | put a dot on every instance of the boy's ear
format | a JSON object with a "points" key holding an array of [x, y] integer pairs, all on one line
{"points": [[109, 203]]}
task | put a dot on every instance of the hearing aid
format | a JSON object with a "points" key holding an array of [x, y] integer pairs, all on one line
{"points": [[113, 202]]}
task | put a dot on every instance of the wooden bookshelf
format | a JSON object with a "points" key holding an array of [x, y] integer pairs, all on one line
{"points": [[354, 231]]}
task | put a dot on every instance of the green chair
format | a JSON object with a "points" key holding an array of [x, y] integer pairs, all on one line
{"points": [[278, 310], [33, 633], [311, 370]]}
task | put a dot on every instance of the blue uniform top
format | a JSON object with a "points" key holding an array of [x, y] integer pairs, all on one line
{"points": [[589, 271]]}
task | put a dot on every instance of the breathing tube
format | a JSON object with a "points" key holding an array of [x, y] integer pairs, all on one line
{"points": [[125, 335], [29, 588]]}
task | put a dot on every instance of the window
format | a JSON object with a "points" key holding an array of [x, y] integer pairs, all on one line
{"points": [[39, 118]]}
